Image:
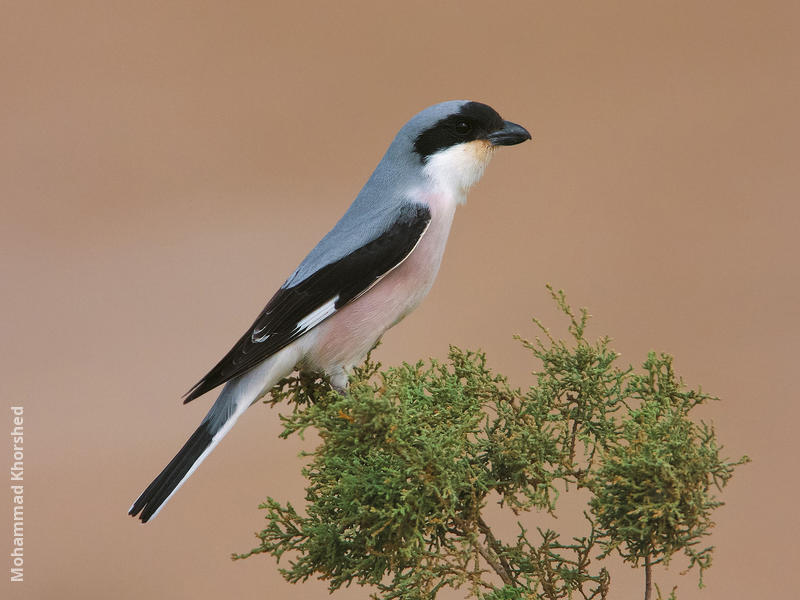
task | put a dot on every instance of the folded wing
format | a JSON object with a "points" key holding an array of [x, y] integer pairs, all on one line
{"points": [[295, 310]]}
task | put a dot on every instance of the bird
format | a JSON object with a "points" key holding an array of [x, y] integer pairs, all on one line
{"points": [[367, 273]]}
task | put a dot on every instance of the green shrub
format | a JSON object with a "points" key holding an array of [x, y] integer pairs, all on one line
{"points": [[409, 456]]}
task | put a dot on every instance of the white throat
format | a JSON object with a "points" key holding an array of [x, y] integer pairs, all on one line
{"points": [[456, 169]]}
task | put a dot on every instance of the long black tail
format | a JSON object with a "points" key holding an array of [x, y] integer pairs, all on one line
{"points": [[234, 399], [173, 475]]}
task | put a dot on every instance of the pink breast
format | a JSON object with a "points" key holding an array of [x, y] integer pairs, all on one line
{"points": [[344, 339]]}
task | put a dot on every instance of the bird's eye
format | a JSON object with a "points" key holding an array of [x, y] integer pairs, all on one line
{"points": [[463, 127]]}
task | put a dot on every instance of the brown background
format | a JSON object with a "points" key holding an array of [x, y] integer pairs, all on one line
{"points": [[164, 166]]}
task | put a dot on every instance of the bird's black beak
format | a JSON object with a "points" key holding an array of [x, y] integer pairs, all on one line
{"points": [[510, 134]]}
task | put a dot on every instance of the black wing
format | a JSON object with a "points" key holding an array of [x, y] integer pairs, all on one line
{"points": [[295, 310]]}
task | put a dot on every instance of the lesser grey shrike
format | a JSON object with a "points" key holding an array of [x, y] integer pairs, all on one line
{"points": [[371, 270]]}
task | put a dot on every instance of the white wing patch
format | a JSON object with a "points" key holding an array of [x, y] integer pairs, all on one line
{"points": [[256, 336], [317, 316], [308, 322]]}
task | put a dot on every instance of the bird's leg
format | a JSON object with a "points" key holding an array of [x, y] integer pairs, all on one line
{"points": [[339, 380]]}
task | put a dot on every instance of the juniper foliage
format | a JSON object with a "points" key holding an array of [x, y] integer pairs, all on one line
{"points": [[410, 455]]}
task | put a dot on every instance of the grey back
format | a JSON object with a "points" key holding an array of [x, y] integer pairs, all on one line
{"points": [[382, 198]]}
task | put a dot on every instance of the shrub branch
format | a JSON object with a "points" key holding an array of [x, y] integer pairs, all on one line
{"points": [[409, 456]]}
